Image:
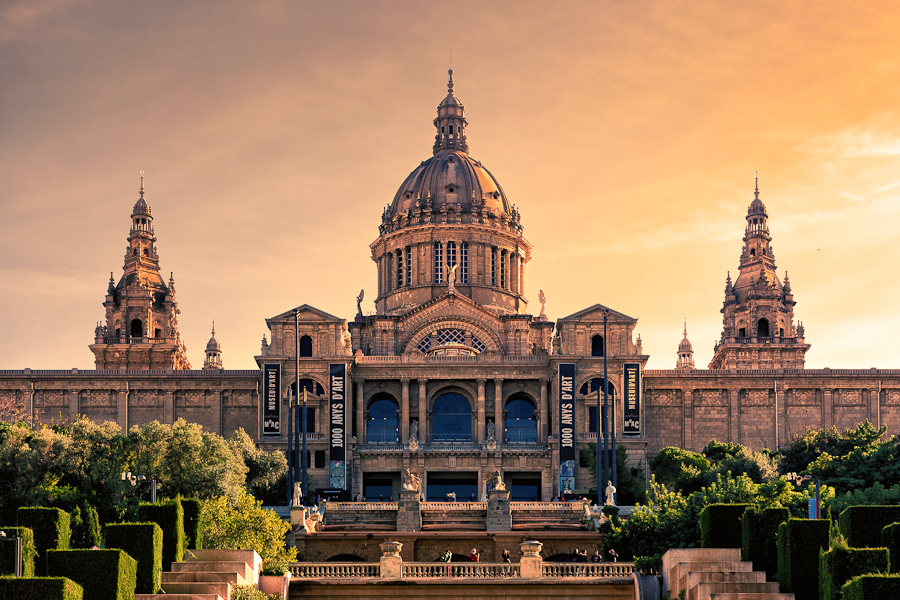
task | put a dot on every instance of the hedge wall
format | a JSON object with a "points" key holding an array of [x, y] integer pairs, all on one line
{"points": [[720, 525], [872, 587], [890, 539], [759, 538], [143, 542], [193, 528], [104, 574], [169, 515], [40, 588], [8, 553], [862, 525], [799, 542], [839, 565], [51, 532]]}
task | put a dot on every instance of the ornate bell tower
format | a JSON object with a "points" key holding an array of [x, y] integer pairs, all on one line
{"points": [[758, 326], [141, 329]]}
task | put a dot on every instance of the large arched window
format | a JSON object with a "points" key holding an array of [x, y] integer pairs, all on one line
{"points": [[137, 328], [762, 329], [451, 419], [305, 346], [383, 426], [597, 345], [520, 424]]}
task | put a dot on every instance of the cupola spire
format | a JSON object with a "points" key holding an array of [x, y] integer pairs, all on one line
{"points": [[450, 122]]}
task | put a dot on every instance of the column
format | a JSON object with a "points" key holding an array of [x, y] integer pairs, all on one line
{"points": [[827, 409], [544, 431], [215, 412], [498, 411], [169, 407], [687, 407], [73, 405], [404, 410], [480, 423], [734, 413], [874, 412], [360, 412], [423, 423]]}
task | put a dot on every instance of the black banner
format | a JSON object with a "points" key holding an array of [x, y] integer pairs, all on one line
{"points": [[271, 399], [337, 431], [631, 415], [566, 427]]}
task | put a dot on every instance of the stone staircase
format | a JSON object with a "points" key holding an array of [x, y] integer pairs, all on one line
{"points": [[208, 575], [715, 574]]}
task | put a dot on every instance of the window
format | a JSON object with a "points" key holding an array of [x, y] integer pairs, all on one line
{"points": [[762, 329], [383, 425], [742, 332], [597, 345], [408, 263], [464, 262], [493, 266], [305, 346], [137, 328], [503, 268], [451, 257], [158, 333], [519, 423], [451, 419], [400, 277], [320, 459], [438, 263]]}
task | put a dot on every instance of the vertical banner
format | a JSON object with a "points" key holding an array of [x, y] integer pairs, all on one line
{"points": [[271, 399], [337, 385], [566, 427], [631, 415]]}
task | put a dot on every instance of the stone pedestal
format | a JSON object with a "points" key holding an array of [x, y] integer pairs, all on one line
{"points": [[409, 513], [298, 515], [498, 515], [531, 565], [391, 563]]}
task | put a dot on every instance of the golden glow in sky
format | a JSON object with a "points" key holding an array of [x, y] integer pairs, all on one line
{"points": [[273, 134]]}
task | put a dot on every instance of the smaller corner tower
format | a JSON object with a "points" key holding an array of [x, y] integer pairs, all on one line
{"points": [[685, 360], [213, 360], [758, 329], [141, 329]]}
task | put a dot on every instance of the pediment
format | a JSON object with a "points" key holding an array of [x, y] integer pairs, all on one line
{"points": [[452, 311], [594, 314], [306, 313]]}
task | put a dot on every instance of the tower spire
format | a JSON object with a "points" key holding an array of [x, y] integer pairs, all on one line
{"points": [[451, 122]]}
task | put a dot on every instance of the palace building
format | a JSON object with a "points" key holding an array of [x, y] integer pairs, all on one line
{"points": [[455, 377]]}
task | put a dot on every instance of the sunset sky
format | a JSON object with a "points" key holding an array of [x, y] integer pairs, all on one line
{"points": [[273, 133]]}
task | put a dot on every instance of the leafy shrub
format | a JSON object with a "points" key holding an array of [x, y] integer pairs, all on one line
{"points": [[759, 538], [874, 586], [890, 539], [839, 565], [8, 555], [51, 531], [249, 592], [169, 515], [143, 542], [243, 524], [720, 525], [85, 525], [862, 525], [40, 588], [104, 574], [799, 542], [193, 528]]}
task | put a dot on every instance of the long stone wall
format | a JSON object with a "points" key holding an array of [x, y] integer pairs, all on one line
{"points": [[763, 409]]}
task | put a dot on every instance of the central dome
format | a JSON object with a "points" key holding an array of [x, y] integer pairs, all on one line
{"points": [[450, 179]]}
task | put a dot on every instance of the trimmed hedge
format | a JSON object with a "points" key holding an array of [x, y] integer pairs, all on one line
{"points": [[862, 525], [104, 574], [838, 565], [890, 539], [799, 542], [720, 525], [193, 528], [872, 587], [759, 538], [169, 515], [143, 542], [51, 532], [8, 553], [40, 588]]}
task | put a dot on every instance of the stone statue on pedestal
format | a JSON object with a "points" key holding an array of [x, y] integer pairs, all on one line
{"points": [[610, 494]]}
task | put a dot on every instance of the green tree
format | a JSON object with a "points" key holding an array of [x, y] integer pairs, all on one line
{"points": [[265, 470], [680, 469], [242, 523], [85, 526]]}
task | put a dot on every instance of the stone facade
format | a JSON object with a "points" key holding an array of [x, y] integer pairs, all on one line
{"points": [[452, 377]]}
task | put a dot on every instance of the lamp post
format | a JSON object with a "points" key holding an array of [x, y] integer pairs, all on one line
{"points": [[799, 479], [133, 480], [302, 431]]}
